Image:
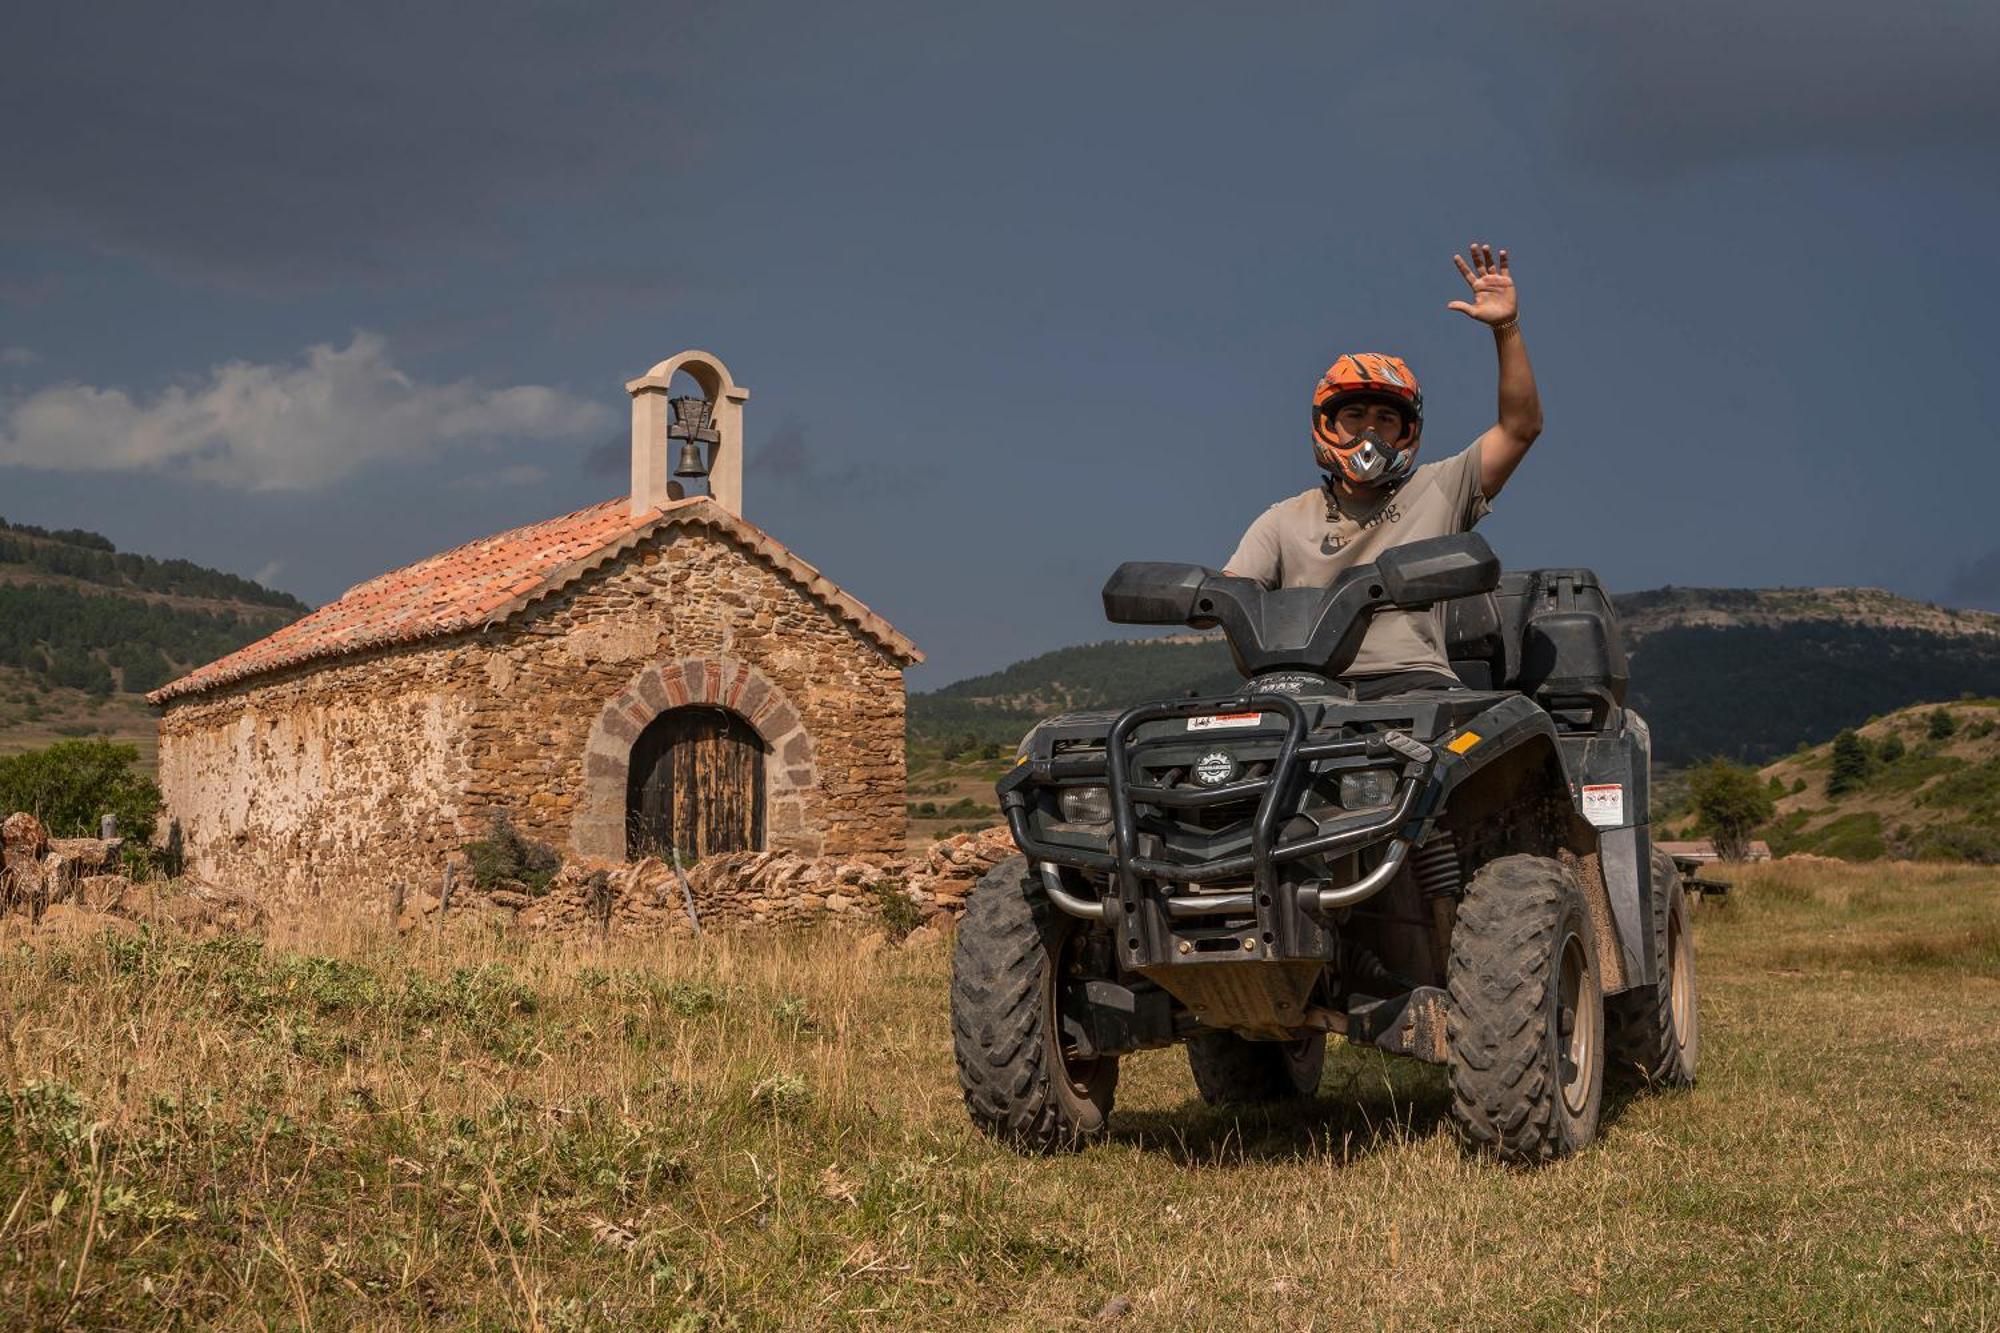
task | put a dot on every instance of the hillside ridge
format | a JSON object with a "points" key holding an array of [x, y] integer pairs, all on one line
{"points": [[1651, 610], [85, 629], [1745, 672]]}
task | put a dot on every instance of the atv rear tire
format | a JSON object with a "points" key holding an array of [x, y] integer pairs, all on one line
{"points": [[1525, 1028], [1023, 1082], [1655, 1031], [1234, 1071]]}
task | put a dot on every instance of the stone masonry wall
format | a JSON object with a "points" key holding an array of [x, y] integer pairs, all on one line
{"points": [[312, 780], [337, 778], [692, 616]]}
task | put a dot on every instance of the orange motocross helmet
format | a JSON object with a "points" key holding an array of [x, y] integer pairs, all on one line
{"points": [[1367, 377]]}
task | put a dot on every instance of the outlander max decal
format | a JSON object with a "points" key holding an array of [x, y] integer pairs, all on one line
{"points": [[1223, 721]]}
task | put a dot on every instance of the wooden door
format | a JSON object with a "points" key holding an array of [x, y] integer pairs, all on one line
{"points": [[696, 784]]}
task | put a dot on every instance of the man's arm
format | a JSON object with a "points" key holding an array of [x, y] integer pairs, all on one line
{"points": [[1496, 304], [1257, 555]]}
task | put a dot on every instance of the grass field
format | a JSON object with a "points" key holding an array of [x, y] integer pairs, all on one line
{"points": [[333, 1129]]}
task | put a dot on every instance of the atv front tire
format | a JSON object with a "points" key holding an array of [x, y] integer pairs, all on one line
{"points": [[1525, 1029], [1234, 1071], [1024, 1082], [1655, 1031]]}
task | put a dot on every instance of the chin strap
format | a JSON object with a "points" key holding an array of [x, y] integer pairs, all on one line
{"points": [[1331, 485]]}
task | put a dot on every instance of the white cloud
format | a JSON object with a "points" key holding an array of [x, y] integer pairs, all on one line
{"points": [[283, 427]]}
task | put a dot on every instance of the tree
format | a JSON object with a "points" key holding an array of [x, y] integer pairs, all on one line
{"points": [[1942, 724], [1731, 803], [1891, 748], [1850, 763], [71, 783]]}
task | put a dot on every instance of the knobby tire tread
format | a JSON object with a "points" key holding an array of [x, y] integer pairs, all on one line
{"points": [[1233, 1071], [1506, 1091], [1007, 942], [1642, 1046]]}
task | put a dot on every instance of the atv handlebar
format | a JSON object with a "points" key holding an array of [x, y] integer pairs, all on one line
{"points": [[1313, 629]]}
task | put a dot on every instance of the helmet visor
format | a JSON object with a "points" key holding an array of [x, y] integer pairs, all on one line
{"points": [[1332, 408]]}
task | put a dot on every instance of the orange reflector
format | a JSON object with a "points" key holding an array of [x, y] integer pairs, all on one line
{"points": [[1464, 741]]}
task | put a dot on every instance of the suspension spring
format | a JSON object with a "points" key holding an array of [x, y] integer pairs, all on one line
{"points": [[1434, 866]]}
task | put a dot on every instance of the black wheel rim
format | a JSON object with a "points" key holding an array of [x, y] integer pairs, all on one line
{"points": [[1078, 1072]]}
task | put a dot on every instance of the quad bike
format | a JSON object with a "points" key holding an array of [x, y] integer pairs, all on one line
{"points": [[1463, 876]]}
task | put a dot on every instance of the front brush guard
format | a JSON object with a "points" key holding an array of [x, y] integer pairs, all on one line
{"points": [[1275, 791]]}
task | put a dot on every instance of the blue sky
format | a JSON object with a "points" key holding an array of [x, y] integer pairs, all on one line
{"points": [[1020, 291]]}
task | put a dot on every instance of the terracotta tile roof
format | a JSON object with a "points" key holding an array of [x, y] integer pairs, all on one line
{"points": [[489, 580]]}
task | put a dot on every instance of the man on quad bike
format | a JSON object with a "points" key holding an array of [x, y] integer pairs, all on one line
{"points": [[1421, 824], [1367, 423]]}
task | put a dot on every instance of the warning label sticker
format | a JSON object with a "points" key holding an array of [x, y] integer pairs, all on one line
{"points": [[1223, 721], [1604, 804]]}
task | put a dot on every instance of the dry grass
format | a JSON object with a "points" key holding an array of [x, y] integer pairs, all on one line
{"points": [[336, 1129]]}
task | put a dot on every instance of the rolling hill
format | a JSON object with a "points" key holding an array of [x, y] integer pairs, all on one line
{"points": [[87, 629], [1930, 789], [1749, 673]]}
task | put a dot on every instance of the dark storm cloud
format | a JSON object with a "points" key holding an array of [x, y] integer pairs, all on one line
{"points": [[292, 148], [787, 461], [1649, 85], [783, 462], [1977, 583], [1066, 270]]}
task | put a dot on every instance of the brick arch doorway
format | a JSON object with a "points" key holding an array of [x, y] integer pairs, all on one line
{"points": [[695, 783], [791, 765]]}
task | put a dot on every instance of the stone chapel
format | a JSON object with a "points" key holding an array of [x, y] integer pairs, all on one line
{"points": [[651, 672]]}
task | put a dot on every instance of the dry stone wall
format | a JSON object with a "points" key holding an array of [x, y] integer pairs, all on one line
{"points": [[647, 898], [344, 777]]}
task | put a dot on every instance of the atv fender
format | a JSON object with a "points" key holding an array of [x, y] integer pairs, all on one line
{"points": [[1609, 773], [1515, 742]]}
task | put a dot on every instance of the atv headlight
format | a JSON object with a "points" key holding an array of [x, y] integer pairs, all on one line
{"points": [[1086, 805], [1370, 789]]}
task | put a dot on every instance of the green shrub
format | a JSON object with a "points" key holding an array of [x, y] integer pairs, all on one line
{"points": [[1850, 763], [1783, 834], [1891, 749], [1855, 837], [505, 857], [1979, 844], [900, 913], [1973, 789], [1941, 724], [69, 785], [1730, 803]]}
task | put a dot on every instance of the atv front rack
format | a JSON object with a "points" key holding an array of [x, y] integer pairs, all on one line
{"points": [[1275, 790]]}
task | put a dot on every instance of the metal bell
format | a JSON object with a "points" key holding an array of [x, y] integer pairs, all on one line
{"points": [[691, 464]]}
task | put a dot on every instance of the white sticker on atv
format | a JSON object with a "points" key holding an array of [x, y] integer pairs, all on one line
{"points": [[1604, 804], [1221, 721]]}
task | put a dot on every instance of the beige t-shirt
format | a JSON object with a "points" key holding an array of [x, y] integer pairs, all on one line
{"points": [[1295, 544]]}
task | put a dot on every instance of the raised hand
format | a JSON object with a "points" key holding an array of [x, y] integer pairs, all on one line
{"points": [[1494, 300]]}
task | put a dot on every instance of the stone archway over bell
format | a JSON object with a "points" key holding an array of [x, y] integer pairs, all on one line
{"points": [[789, 773]]}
